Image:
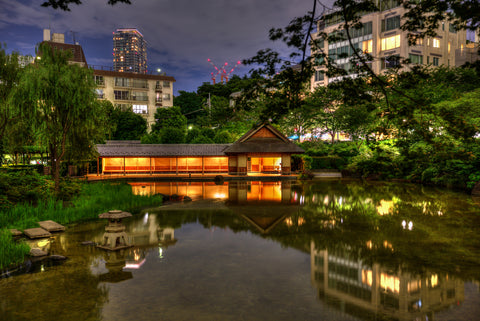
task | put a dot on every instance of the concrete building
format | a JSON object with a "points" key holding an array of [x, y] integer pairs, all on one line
{"points": [[141, 92], [129, 51], [382, 37]]}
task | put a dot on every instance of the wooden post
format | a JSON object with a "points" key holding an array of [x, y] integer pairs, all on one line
{"points": [[124, 166], [176, 165], [98, 166], [203, 165], [150, 166]]}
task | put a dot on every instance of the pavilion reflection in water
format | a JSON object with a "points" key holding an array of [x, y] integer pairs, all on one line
{"points": [[355, 287], [243, 191]]}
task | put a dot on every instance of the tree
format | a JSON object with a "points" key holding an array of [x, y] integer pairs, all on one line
{"points": [[60, 99], [128, 125], [172, 135], [170, 117], [191, 105], [65, 4], [10, 72]]}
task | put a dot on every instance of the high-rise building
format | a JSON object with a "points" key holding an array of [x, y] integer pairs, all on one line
{"points": [[382, 37], [129, 51]]}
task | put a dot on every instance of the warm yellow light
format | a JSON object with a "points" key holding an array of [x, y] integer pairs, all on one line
{"points": [[367, 277], [391, 42], [390, 283], [367, 46], [434, 280], [436, 43]]}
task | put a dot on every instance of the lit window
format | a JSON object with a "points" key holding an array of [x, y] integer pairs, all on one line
{"points": [[436, 43], [140, 109], [391, 42], [449, 46], [367, 46]]}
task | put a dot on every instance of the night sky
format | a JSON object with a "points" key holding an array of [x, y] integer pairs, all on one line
{"points": [[181, 34]]}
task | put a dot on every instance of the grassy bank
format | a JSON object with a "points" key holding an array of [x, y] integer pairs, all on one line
{"points": [[93, 200]]}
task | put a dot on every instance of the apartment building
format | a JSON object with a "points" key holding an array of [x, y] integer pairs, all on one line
{"points": [[143, 93], [382, 37], [129, 51]]}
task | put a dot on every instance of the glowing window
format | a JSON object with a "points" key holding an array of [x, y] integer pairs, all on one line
{"points": [[391, 42], [367, 46], [436, 43]]}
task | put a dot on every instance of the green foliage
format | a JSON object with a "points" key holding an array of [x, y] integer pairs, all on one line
{"points": [[222, 137], [11, 252], [172, 135], [202, 140], [129, 126], [152, 138], [208, 132], [190, 103], [58, 100], [94, 199], [192, 134], [170, 117]]}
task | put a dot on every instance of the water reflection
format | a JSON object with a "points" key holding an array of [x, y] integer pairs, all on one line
{"points": [[248, 246]]}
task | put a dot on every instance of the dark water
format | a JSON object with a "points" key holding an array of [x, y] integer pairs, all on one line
{"points": [[266, 251]]}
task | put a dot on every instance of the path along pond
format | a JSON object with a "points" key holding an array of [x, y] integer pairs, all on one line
{"points": [[321, 250]]}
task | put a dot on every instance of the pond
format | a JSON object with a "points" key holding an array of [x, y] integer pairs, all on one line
{"points": [[321, 250]]}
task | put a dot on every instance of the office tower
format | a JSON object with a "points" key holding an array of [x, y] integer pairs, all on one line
{"points": [[129, 51], [382, 37]]}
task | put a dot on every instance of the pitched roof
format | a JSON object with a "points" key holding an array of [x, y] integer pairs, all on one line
{"points": [[76, 50], [126, 149], [263, 139]]}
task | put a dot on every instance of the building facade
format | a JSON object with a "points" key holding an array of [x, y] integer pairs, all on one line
{"points": [[143, 93], [262, 150], [129, 51], [382, 38]]}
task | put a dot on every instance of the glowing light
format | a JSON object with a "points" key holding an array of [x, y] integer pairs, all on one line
{"points": [[219, 195], [404, 224], [410, 225], [160, 252], [145, 219], [135, 266], [390, 283]]}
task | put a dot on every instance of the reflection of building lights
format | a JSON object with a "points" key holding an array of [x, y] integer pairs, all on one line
{"points": [[404, 224], [145, 219], [160, 252], [370, 244], [367, 277], [219, 195], [410, 225], [434, 280], [42, 268], [302, 200], [134, 265], [390, 283]]}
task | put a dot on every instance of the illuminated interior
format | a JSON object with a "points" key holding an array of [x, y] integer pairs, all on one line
{"points": [[165, 165], [203, 190], [391, 42], [265, 164], [264, 191]]}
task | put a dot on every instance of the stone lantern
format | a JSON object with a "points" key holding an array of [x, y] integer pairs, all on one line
{"points": [[115, 237]]}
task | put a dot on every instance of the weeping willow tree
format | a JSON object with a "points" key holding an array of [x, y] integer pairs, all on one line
{"points": [[58, 99]]}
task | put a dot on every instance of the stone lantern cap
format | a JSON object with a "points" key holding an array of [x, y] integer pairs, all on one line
{"points": [[115, 214]]}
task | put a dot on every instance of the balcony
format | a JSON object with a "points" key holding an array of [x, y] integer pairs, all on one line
{"points": [[158, 89]]}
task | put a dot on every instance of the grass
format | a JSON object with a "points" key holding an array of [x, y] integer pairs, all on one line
{"points": [[11, 252], [94, 199]]}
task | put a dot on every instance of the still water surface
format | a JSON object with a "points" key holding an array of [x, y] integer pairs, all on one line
{"points": [[266, 251]]}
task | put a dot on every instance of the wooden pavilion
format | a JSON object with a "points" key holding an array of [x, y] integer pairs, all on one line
{"points": [[262, 150]]}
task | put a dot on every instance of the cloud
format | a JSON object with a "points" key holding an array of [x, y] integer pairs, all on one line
{"points": [[181, 34]]}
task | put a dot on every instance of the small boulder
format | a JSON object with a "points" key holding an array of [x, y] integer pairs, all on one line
{"points": [[36, 252]]}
